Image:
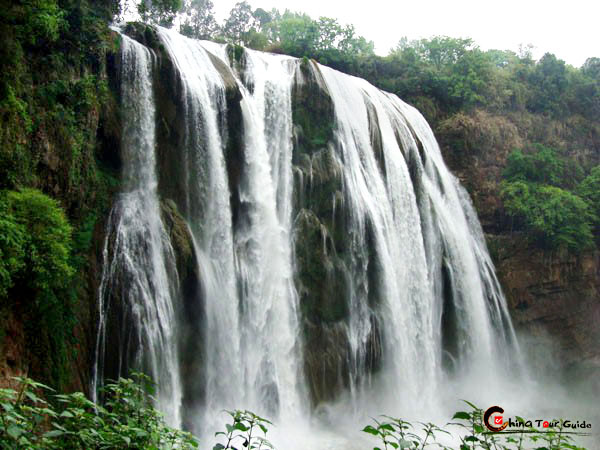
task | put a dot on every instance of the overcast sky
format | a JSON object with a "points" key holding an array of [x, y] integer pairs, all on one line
{"points": [[569, 28]]}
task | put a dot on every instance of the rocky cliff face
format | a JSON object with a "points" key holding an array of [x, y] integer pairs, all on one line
{"points": [[74, 158], [554, 297]]}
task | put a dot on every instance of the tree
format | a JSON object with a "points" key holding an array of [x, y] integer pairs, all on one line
{"points": [[297, 34], [548, 82], [239, 23], [591, 68], [161, 12], [199, 20], [443, 51]]}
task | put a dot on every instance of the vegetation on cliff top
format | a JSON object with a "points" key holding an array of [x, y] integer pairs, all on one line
{"points": [[440, 74], [449, 80]]}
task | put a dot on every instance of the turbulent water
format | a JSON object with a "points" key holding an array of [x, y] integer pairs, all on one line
{"points": [[421, 296]]}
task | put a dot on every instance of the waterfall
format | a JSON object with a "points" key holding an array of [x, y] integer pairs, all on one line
{"points": [[208, 212], [138, 283], [341, 266], [263, 245]]}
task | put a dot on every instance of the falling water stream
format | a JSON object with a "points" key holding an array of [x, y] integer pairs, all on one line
{"points": [[138, 259], [438, 312]]}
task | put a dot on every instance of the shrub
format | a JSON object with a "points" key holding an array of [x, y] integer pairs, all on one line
{"points": [[589, 190], [12, 253], [126, 420], [536, 196], [552, 216], [541, 166], [35, 273], [396, 433], [47, 243], [243, 429]]}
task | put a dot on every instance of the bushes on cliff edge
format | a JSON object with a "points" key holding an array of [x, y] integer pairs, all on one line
{"points": [[540, 194]]}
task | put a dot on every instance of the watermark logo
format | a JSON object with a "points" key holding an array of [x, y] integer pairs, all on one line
{"points": [[495, 422], [499, 423]]}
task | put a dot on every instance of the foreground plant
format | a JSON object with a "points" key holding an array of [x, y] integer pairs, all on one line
{"points": [[125, 420], [243, 429], [396, 433]]}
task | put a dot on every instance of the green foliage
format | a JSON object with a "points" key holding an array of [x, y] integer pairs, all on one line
{"points": [[46, 243], [239, 23], [589, 190], [396, 433], [453, 71], [71, 421], [50, 91], [548, 81], [540, 166], [12, 251], [36, 22], [36, 271], [198, 20], [535, 194], [443, 73], [53, 90], [160, 12], [243, 429], [323, 39]]}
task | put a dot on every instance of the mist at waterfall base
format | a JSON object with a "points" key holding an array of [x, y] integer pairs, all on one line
{"points": [[414, 265]]}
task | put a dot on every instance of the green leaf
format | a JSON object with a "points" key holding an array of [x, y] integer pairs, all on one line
{"points": [[369, 429], [387, 426], [8, 407], [470, 404], [54, 433], [15, 431], [218, 447], [34, 398], [461, 415], [240, 426]]}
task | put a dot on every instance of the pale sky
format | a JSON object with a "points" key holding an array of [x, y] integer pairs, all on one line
{"points": [[569, 28]]}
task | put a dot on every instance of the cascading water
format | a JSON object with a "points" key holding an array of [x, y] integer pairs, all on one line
{"points": [[397, 237], [265, 373], [208, 212], [138, 282], [263, 240]]}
